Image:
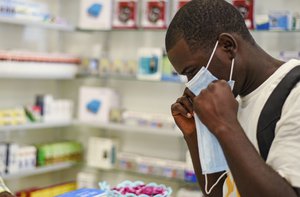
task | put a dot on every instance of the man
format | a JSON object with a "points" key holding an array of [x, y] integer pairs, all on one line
{"points": [[207, 41]]}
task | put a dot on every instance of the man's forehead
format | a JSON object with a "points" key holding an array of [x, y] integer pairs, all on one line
{"points": [[179, 54]]}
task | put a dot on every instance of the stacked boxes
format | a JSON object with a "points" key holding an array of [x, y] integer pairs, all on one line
{"points": [[50, 191], [15, 158], [58, 152], [14, 116]]}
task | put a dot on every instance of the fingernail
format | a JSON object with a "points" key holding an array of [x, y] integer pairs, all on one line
{"points": [[189, 115]]}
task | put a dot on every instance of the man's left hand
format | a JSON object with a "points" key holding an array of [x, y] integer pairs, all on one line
{"points": [[216, 106]]}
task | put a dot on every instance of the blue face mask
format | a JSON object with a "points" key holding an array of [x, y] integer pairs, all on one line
{"points": [[210, 152]]}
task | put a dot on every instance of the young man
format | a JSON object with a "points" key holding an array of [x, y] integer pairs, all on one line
{"points": [[208, 42]]}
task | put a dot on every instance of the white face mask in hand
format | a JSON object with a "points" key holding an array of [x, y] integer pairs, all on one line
{"points": [[210, 152]]}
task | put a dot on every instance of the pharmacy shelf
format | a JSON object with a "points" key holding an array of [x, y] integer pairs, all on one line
{"points": [[40, 170], [61, 27], [41, 125], [33, 70], [130, 128], [125, 78]]}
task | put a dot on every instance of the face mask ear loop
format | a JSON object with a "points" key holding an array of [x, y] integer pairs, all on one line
{"points": [[231, 71], [214, 185], [212, 55]]}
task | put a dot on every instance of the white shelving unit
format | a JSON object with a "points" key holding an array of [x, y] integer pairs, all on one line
{"points": [[40, 170], [118, 127], [39, 125], [37, 70], [47, 25], [140, 96]]}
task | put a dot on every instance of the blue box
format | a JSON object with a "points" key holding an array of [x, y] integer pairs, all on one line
{"points": [[280, 20], [84, 192]]}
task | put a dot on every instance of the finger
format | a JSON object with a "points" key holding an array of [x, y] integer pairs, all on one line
{"points": [[187, 92], [178, 109], [187, 103]]}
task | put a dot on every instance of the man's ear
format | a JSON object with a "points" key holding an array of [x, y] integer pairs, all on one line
{"points": [[228, 44]]}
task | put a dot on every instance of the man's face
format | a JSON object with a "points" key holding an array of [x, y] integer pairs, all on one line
{"points": [[184, 61], [189, 63]]}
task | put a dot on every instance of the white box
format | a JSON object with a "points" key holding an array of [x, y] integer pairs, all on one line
{"points": [[95, 104], [12, 158], [150, 63], [86, 180], [95, 14], [3, 158], [102, 153]]}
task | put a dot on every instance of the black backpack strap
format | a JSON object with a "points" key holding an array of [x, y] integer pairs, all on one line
{"points": [[271, 112]]}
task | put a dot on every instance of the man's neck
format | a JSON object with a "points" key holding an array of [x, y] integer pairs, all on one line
{"points": [[260, 68]]}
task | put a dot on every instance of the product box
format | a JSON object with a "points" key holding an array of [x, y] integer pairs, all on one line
{"points": [[150, 63], [280, 20], [3, 158], [155, 14], [53, 110], [127, 161], [26, 157], [118, 67], [95, 14], [288, 55], [12, 165], [296, 21], [105, 68], [85, 192], [86, 180], [262, 22], [102, 153], [177, 4], [95, 104], [246, 8], [125, 14]]}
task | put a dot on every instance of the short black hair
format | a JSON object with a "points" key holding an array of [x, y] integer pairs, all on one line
{"points": [[200, 22]]}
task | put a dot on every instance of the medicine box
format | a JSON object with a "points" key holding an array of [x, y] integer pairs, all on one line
{"points": [[155, 14], [246, 8], [102, 153], [95, 103], [85, 192], [95, 14], [150, 63], [280, 20], [125, 14]]}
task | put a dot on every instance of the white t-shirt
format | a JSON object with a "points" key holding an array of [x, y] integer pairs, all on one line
{"points": [[284, 154]]}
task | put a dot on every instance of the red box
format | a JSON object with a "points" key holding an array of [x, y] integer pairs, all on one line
{"points": [[246, 8], [125, 14], [155, 13]]}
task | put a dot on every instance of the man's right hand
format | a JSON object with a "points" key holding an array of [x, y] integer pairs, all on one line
{"points": [[183, 113]]}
